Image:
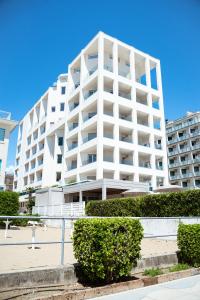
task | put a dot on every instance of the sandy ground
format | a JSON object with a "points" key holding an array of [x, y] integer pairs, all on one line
{"points": [[22, 257]]}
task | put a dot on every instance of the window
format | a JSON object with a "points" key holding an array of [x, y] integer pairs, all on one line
{"points": [[58, 176], [60, 141], [63, 88], [59, 158], [0, 164], [62, 106], [53, 108], [29, 140], [2, 134]]}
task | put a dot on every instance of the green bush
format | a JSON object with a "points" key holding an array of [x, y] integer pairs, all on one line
{"points": [[174, 204], [9, 203], [107, 249], [24, 222], [114, 207], [189, 243], [179, 267], [153, 272]]}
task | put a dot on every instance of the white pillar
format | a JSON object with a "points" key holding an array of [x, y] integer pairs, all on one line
{"points": [[80, 196], [104, 192]]}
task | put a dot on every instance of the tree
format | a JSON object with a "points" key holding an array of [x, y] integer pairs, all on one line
{"points": [[31, 199]]}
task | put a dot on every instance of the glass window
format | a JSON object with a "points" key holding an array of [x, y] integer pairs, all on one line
{"points": [[63, 88], [58, 176], [62, 106], [2, 134], [0, 164], [59, 158], [60, 141], [53, 108]]}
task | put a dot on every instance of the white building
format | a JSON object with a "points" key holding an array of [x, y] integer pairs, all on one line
{"points": [[112, 126], [183, 141], [6, 127]]}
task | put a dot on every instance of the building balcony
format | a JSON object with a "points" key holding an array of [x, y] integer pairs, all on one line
{"points": [[183, 125], [195, 133], [89, 161], [128, 162], [89, 138], [124, 95], [92, 70], [89, 93], [196, 160], [72, 146], [186, 175], [158, 146], [108, 158], [72, 126], [185, 149], [108, 135], [197, 173], [89, 116], [145, 165], [197, 146], [126, 139], [108, 67], [174, 177], [73, 106]]}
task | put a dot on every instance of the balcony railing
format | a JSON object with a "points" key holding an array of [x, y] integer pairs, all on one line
{"points": [[183, 125], [89, 138], [174, 177], [145, 165], [185, 149], [158, 146], [89, 93], [196, 160], [197, 146], [108, 67], [197, 173], [72, 146], [108, 135], [126, 162], [73, 126], [145, 145], [89, 116], [158, 167], [125, 95], [73, 106], [108, 113], [72, 166], [125, 139], [186, 175], [92, 70], [174, 165], [89, 161], [125, 117], [108, 90], [195, 133], [108, 158]]}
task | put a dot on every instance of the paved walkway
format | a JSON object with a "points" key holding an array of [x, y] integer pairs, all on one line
{"points": [[181, 289]]}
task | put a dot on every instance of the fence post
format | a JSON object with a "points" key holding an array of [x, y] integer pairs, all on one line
{"points": [[62, 242]]}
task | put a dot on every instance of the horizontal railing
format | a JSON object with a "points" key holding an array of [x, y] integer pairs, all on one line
{"points": [[71, 219]]}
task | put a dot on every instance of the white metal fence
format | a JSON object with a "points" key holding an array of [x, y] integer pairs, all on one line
{"points": [[73, 209]]}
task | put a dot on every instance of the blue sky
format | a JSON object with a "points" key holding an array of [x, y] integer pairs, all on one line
{"points": [[38, 38]]}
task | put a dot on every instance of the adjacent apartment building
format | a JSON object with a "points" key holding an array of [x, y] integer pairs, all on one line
{"points": [[183, 142], [6, 127], [104, 119]]}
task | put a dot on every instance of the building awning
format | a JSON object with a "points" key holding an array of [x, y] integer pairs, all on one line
{"points": [[168, 188], [136, 192]]}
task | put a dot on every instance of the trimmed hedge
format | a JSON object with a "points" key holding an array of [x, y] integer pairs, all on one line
{"points": [[174, 204], [9, 203], [107, 249], [189, 243]]}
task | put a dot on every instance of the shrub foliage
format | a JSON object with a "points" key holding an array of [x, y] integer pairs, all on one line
{"points": [[189, 243], [174, 204], [107, 249], [9, 203]]}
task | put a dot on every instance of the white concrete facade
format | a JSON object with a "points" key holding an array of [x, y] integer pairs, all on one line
{"points": [[6, 127], [183, 142], [113, 126]]}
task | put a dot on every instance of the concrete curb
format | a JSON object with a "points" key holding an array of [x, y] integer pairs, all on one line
{"points": [[122, 286], [66, 275], [39, 276]]}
